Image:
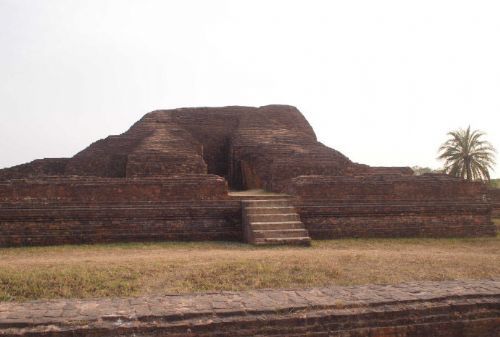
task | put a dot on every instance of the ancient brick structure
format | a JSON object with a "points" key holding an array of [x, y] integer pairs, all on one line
{"points": [[269, 221], [392, 206], [494, 196], [420, 309], [250, 147], [63, 210], [168, 176]]}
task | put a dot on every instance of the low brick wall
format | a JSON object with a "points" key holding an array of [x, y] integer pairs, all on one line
{"points": [[382, 188], [197, 207], [494, 197], [53, 224], [420, 309], [327, 220], [106, 190], [392, 206], [97, 210]]}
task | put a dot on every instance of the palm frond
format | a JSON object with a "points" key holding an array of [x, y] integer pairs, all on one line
{"points": [[467, 155]]}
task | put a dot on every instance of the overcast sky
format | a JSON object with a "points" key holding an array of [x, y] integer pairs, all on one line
{"points": [[381, 81]]}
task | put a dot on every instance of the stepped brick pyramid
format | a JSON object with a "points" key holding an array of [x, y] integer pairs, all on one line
{"points": [[169, 178]]}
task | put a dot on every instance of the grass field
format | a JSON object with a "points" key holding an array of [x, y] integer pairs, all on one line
{"points": [[159, 268]]}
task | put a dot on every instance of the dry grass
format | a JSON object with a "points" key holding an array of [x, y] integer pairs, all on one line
{"points": [[158, 268]]}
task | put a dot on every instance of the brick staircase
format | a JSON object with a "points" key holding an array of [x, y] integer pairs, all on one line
{"points": [[273, 221]]}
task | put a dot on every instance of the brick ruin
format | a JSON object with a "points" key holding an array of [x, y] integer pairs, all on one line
{"points": [[392, 206], [168, 178], [418, 309], [494, 196]]}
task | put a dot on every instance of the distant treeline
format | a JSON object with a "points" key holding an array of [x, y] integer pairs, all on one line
{"points": [[418, 170], [422, 170], [495, 183]]}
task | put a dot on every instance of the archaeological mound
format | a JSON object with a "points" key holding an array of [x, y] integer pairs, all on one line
{"points": [[233, 173]]}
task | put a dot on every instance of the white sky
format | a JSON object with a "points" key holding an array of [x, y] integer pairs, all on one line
{"points": [[380, 81]]}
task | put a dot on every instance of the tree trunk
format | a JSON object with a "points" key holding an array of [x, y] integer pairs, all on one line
{"points": [[468, 168]]}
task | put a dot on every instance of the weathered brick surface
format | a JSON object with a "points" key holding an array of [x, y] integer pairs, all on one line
{"points": [[438, 309], [392, 206], [273, 221], [106, 190], [91, 210], [50, 224], [36, 168], [170, 157], [251, 147], [427, 187], [494, 197]]}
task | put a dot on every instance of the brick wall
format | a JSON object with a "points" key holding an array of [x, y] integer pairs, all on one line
{"points": [[106, 190], [392, 206], [494, 197], [52, 224], [418, 309], [197, 207], [92, 210]]}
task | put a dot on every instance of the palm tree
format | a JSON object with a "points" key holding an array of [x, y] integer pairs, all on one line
{"points": [[467, 155]]}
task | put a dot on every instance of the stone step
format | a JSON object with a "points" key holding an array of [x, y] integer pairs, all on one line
{"points": [[277, 225], [273, 222], [300, 241], [270, 210], [276, 217], [266, 203], [280, 233], [257, 195], [291, 224]]}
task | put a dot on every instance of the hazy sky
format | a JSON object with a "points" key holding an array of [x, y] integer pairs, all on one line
{"points": [[381, 81]]}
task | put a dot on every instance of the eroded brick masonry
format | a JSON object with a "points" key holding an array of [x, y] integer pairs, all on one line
{"points": [[168, 178], [494, 195], [419, 309]]}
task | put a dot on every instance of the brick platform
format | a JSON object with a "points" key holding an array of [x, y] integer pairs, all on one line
{"points": [[75, 210], [494, 197], [438, 309], [431, 205], [167, 178]]}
